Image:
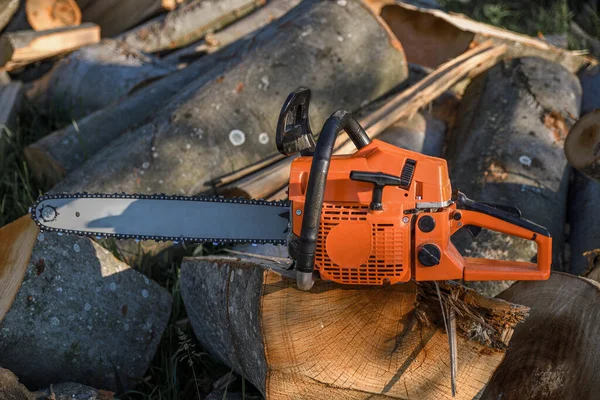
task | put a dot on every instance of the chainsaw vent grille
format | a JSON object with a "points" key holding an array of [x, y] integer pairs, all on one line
{"points": [[385, 261]]}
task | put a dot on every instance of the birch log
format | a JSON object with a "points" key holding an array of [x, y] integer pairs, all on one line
{"points": [[335, 341], [53, 156], [187, 23], [507, 149], [248, 25], [432, 36], [79, 314], [216, 126], [92, 78]]}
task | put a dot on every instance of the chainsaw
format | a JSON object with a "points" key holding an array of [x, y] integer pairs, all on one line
{"points": [[383, 215]]}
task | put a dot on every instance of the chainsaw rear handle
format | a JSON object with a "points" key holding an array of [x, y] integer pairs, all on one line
{"points": [[473, 213], [307, 243]]}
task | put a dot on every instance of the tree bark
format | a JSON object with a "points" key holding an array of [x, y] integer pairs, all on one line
{"points": [[116, 16], [43, 15], [53, 156], [11, 388], [335, 341], [431, 36], [187, 23], [248, 25], [24, 47], [507, 148], [195, 138], [555, 353], [8, 8], [11, 95], [92, 78], [584, 241], [79, 314]]}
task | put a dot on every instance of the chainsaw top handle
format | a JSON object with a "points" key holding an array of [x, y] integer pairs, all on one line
{"points": [[294, 135]]}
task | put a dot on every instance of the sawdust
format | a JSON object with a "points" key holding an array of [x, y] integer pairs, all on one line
{"points": [[555, 121]]}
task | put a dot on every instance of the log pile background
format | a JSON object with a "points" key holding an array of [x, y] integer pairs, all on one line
{"points": [[182, 97]]}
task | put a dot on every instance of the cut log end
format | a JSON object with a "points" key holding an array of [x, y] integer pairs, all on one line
{"points": [[43, 15], [367, 341], [582, 144]]}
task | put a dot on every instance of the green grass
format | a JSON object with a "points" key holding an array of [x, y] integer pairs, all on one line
{"points": [[546, 17]]}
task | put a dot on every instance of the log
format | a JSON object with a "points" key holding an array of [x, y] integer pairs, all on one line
{"points": [[93, 77], [11, 388], [187, 23], [248, 25], [44, 15], [269, 181], [421, 133], [432, 36], [8, 8], [53, 156], [24, 47], [116, 16], [79, 315], [507, 149], [555, 353], [590, 82], [187, 144], [11, 95], [335, 341], [584, 242]]}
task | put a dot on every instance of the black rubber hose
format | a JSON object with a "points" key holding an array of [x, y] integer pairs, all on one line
{"points": [[305, 262]]}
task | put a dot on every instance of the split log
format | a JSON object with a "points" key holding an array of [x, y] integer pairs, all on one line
{"points": [[116, 16], [21, 48], [44, 15], [53, 156], [335, 341], [214, 127], [555, 353], [187, 23], [11, 388], [8, 8], [93, 77], [432, 36], [507, 149], [264, 15], [80, 314], [269, 181]]}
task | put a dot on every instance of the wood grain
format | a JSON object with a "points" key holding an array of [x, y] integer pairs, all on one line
{"points": [[16, 243]]}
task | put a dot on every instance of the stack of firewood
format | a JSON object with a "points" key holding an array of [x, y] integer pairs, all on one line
{"points": [[182, 97]]}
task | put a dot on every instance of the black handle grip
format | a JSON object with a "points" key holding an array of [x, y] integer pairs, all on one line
{"points": [[380, 180], [465, 203]]}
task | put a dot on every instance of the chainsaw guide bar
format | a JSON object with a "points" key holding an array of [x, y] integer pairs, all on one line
{"points": [[159, 217]]}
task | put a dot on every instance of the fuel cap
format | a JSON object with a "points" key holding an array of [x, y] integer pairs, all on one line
{"points": [[429, 255]]}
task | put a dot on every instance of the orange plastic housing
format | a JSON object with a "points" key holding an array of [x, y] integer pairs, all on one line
{"points": [[361, 246]]}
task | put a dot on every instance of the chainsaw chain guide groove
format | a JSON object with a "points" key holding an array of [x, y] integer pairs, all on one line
{"points": [[213, 199]]}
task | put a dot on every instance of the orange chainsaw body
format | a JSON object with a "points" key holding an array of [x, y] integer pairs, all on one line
{"points": [[357, 245]]}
